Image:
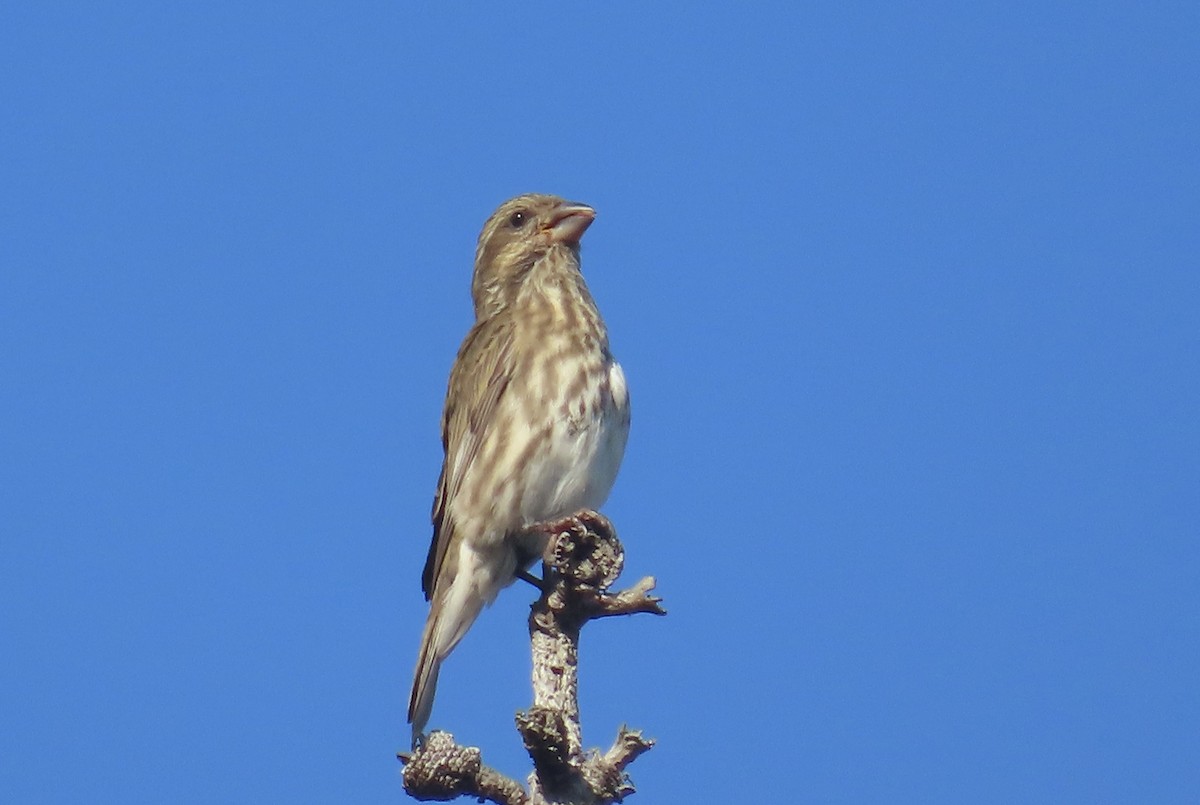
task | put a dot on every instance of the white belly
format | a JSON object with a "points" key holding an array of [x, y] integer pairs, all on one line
{"points": [[579, 467]]}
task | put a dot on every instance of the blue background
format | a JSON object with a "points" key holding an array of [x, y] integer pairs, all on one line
{"points": [[909, 304]]}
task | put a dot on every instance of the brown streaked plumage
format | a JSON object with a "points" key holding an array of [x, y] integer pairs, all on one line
{"points": [[534, 425]]}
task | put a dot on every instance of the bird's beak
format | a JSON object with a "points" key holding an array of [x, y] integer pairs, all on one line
{"points": [[569, 222]]}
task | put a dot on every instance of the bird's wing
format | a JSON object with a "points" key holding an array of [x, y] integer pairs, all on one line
{"points": [[478, 381]]}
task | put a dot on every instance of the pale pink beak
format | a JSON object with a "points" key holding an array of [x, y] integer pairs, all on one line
{"points": [[569, 222]]}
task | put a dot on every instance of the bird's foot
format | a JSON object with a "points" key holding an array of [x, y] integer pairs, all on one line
{"points": [[529, 578]]}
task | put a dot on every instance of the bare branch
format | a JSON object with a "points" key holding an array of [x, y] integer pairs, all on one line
{"points": [[583, 559], [441, 769]]}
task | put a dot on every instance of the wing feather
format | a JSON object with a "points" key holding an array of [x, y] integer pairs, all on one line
{"points": [[480, 377]]}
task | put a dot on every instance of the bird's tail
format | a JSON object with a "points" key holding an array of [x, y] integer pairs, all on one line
{"points": [[451, 613], [420, 701]]}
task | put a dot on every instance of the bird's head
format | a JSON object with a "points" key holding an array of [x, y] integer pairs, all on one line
{"points": [[517, 236]]}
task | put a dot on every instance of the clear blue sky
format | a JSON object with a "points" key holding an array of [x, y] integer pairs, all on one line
{"points": [[909, 303]]}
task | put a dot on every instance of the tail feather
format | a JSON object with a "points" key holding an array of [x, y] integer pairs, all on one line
{"points": [[454, 608], [420, 702]]}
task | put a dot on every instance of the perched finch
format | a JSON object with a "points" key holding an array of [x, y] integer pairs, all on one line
{"points": [[534, 426]]}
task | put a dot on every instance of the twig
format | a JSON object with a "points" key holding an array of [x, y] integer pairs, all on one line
{"points": [[583, 558]]}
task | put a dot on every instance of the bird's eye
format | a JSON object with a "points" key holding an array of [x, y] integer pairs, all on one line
{"points": [[517, 219]]}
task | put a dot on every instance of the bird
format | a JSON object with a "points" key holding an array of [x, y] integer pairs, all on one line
{"points": [[534, 426]]}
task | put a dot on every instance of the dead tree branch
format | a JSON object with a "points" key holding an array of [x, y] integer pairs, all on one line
{"points": [[583, 559]]}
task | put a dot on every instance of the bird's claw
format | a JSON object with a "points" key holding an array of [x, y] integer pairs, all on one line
{"points": [[529, 578]]}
